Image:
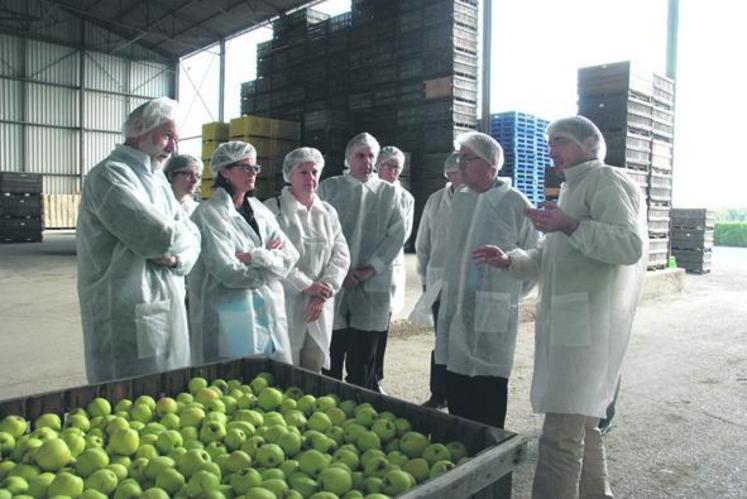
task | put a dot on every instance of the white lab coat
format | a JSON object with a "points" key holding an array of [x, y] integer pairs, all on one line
{"points": [[478, 318], [317, 236], [433, 236], [590, 286], [374, 227], [132, 310], [189, 205], [235, 309], [407, 204]]}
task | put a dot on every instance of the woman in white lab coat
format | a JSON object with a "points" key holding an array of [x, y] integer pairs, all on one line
{"points": [[314, 229], [237, 305], [184, 172]]}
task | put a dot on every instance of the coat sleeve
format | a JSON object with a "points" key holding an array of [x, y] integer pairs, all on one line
{"points": [[613, 234], [339, 261], [116, 202], [392, 242], [282, 259], [423, 240], [526, 264], [186, 245], [529, 240]]}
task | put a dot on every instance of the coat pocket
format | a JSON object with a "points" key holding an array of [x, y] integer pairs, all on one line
{"points": [[153, 328], [492, 312], [570, 320]]}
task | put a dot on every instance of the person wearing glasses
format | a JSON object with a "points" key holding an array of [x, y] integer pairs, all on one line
{"points": [[135, 245], [478, 316], [374, 226], [237, 305], [313, 227], [184, 172]]}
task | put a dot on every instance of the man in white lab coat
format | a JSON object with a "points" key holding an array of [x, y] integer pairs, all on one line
{"points": [[591, 266], [135, 245]]}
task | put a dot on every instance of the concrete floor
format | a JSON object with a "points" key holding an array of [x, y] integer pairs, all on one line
{"points": [[682, 414]]}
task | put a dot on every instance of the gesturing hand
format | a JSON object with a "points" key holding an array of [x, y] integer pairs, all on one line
{"points": [[492, 255], [550, 218]]}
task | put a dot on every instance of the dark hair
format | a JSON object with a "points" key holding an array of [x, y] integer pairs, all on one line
{"points": [[225, 184]]}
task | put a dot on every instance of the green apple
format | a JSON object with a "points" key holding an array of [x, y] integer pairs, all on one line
{"points": [[123, 405], [373, 484], [94, 441], [395, 482], [220, 384], [15, 485], [377, 466], [336, 415], [26, 450], [252, 444], [166, 405], [385, 429], [272, 418], [348, 457], [191, 462], [216, 405], [148, 451], [230, 404], [319, 421], [177, 453], [276, 485], [376, 495], [124, 442], [153, 428], [212, 431], [201, 483], [92, 494], [53, 455], [196, 383], [324, 403], [312, 461], [45, 433], [274, 432], [295, 417], [128, 489], [234, 438], [66, 484], [294, 392], [154, 493], [156, 465], [15, 425], [215, 449], [269, 398], [306, 404], [105, 481], [358, 480], [353, 431], [396, 458], [413, 444], [303, 483], [48, 420], [99, 406], [272, 473], [7, 444], [189, 433], [137, 469], [457, 450], [79, 420], [436, 452], [146, 400], [250, 416], [25, 471], [392, 445], [336, 433], [403, 426], [418, 468], [348, 407], [75, 442], [365, 416], [244, 479], [319, 441], [39, 485], [91, 460], [171, 421], [184, 398], [290, 442], [191, 416], [370, 454], [270, 455], [238, 460], [260, 493], [290, 466], [120, 470], [440, 467], [354, 494], [324, 494], [168, 441], [170, 480], [141, 412], [246, 401], [288, 404], [267, 376], [368, 440], [205, 395], [6, 466], [335, 479]]}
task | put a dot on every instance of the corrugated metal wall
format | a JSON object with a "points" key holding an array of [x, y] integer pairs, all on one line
{"points": [[40, 99]]}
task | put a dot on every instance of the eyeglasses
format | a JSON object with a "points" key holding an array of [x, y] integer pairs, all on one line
{"points": [[464, 158], [249, 169], [194, 175]]}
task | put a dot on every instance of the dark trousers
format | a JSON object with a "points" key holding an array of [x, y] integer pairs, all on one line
{"points": [[479, 398], [380, 351], [438, 371], [606, 422], [355, 349]]}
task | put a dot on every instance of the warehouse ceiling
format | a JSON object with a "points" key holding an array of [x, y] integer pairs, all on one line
{"points": [[169, 28]]}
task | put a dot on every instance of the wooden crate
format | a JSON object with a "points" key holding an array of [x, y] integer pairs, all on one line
{"points": [[488, 474], [61, 211]]}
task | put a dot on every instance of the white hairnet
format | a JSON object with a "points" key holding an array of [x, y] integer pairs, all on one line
{"points": [[231, 152], [364, 139], [299, 156], [390, 152], [149, 116], [484, 146], [452, 163], [181, 162], [579, 129]]}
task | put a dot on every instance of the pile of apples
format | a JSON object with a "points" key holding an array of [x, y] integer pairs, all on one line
{"points": [[222, 439]]}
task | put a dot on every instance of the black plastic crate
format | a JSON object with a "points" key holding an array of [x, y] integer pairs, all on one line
{"points": [[439, 137], [16, 205], [450, 36], [460, 13], [458, 112], [20, 236], [21, 182], [20, 224]]}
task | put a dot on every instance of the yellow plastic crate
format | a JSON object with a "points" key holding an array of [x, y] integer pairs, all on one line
{"points": [[209, 147], [257, 126], [268, 147], [216, 130]]}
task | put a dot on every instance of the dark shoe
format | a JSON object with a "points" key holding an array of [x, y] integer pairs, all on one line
{"points": [[380, 389], [434, 403]]}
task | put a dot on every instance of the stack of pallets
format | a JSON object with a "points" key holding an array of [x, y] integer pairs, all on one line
{"points": [[692, 239], [524, 144], [21, 207]]}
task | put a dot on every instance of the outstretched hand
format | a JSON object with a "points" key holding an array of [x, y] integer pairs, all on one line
{"points": [[492, 255], [548, 217]]}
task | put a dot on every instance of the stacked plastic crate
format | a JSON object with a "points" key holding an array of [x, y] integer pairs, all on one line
{"points": [[404, 71], [692, 239], [635, 112], [213, 134], [21, 207], [524, 144]]}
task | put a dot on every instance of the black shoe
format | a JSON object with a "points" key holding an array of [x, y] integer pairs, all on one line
{"points": [[434, 403]]}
